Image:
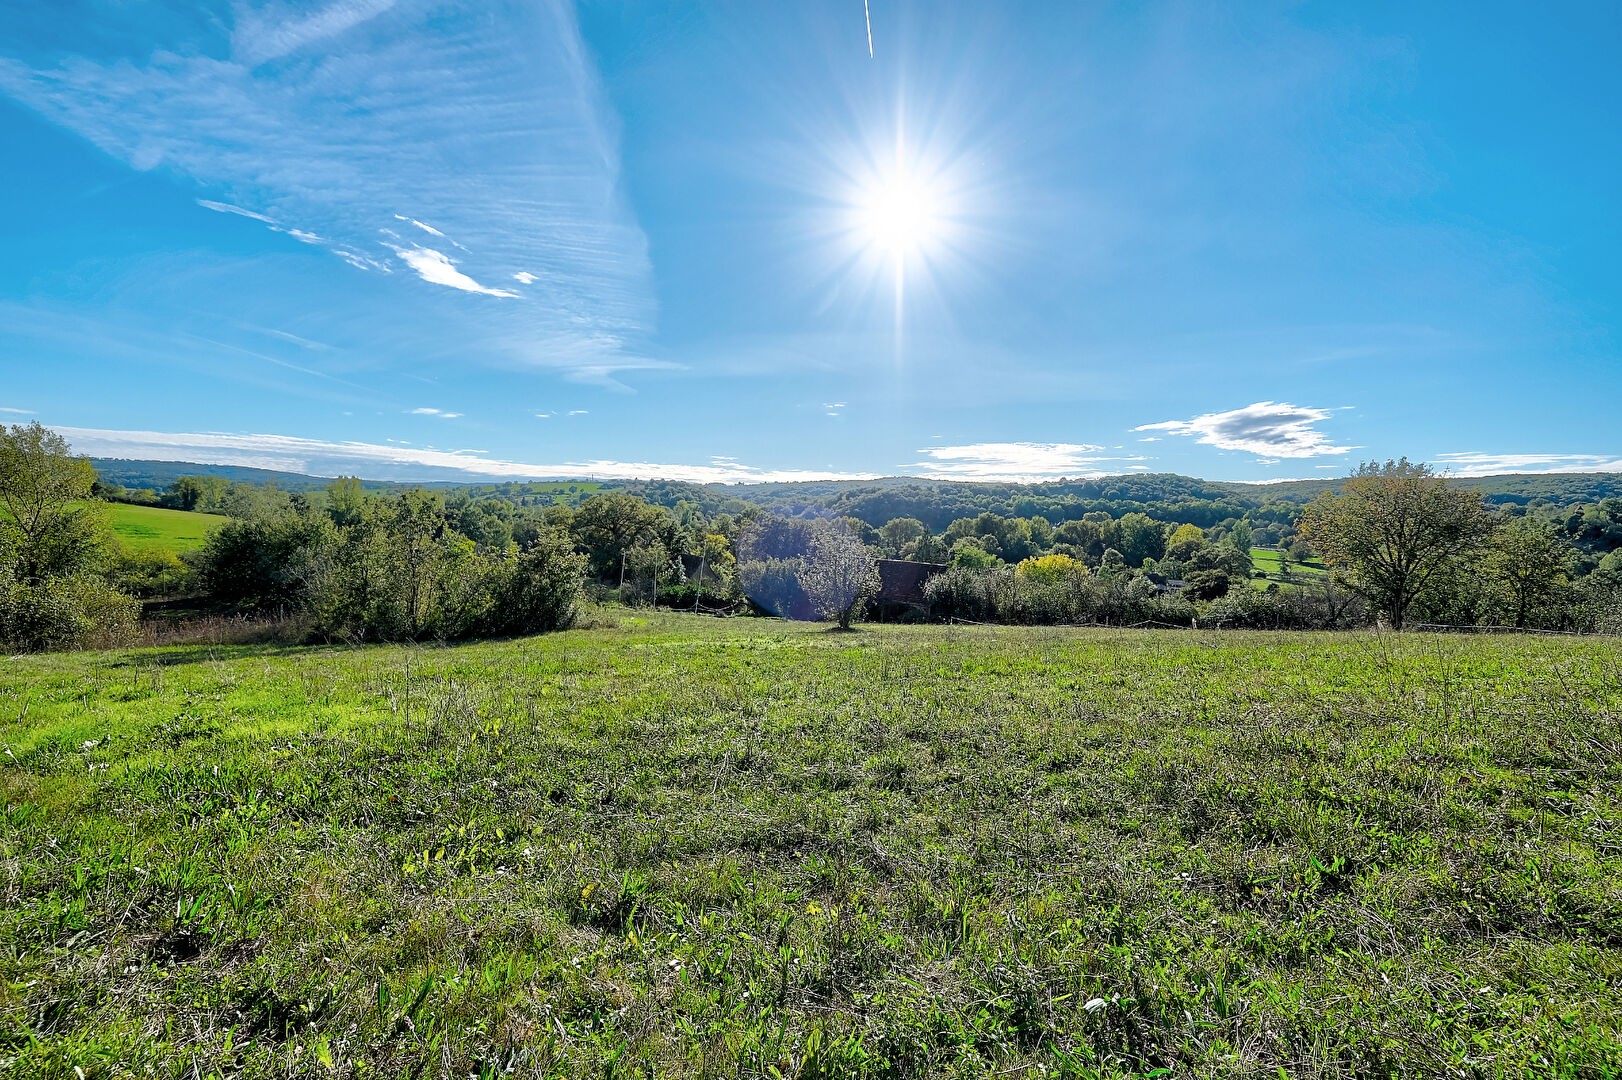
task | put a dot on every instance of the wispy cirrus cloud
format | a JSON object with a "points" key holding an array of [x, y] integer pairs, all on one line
{"points": [[16, 412], [401, 461], [277, 29], [429, 229], [1017, 461], [441, 413], [1269, 429], [484, 128], [227, 208], [1478, 464]]}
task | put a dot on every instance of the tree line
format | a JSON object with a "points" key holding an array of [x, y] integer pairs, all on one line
{"points": [[348, 562]]}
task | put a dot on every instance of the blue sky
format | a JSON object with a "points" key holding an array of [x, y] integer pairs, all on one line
{"points": [[411, 239]]}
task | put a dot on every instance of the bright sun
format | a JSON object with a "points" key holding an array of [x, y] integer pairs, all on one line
{"points": [[899, 215]]}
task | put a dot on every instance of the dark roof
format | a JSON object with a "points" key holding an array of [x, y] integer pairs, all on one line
{"points": [[902, 582]]}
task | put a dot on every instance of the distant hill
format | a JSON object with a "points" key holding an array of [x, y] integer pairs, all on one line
{"points": [[1167, 496], [1566, 489], [158, 475]]}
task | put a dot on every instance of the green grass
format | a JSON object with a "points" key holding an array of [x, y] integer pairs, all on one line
{"points": [[684, 847], [153, 528]]}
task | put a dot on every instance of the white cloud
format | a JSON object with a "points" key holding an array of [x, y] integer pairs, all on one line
{"points": [[441, 413], [578, 412], [543, 416], [1274, 429], [227, 208], [524, 277], [401, 461], [491, 123], [435, 267], [425, 228], [1013, 461], [361, 262], [1477, 464], [17, 412]]}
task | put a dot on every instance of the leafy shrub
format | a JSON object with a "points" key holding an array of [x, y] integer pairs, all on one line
{"points": [[964, 592], [72, 612], [266, 562], [149, 574], [540, 589], [1206, 585]]}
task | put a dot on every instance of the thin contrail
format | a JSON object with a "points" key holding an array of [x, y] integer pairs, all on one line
{"points": [[869, 13]]}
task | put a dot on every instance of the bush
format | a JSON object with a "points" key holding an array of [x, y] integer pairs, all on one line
{"points": [[1323, 607], [964, 592], [149, 574], [266, 562], [540, 589], [74, 612]]}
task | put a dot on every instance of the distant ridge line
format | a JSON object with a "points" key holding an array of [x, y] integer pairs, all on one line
{"points": [[1506, 487]]}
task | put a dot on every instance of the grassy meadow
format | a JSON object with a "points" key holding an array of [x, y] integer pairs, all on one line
{"points": [[1267, 561], [154, 528], [684, 847]]}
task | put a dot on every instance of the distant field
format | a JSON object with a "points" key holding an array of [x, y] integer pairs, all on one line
{"points": [[688, 847], [148, 528], [1267, 561]]}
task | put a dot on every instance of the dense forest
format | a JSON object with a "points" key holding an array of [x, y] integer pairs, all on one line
{"points": [[347, 560]]}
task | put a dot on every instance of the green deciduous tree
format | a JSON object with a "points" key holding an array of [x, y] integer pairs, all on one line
{"points": [[1139, 537], [1531, 561], [51, 539], [897, 533], [1184, 541], [48, 523], [1240, 537], [608, 526], [1392, 528]]}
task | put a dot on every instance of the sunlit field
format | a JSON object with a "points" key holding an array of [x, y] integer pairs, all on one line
{"points": [[682, 847], [153, 528]]}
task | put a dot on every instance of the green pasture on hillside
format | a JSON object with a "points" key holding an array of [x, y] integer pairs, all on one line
{"points": [[685, 847], [1267, 561], [153, 528]]}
